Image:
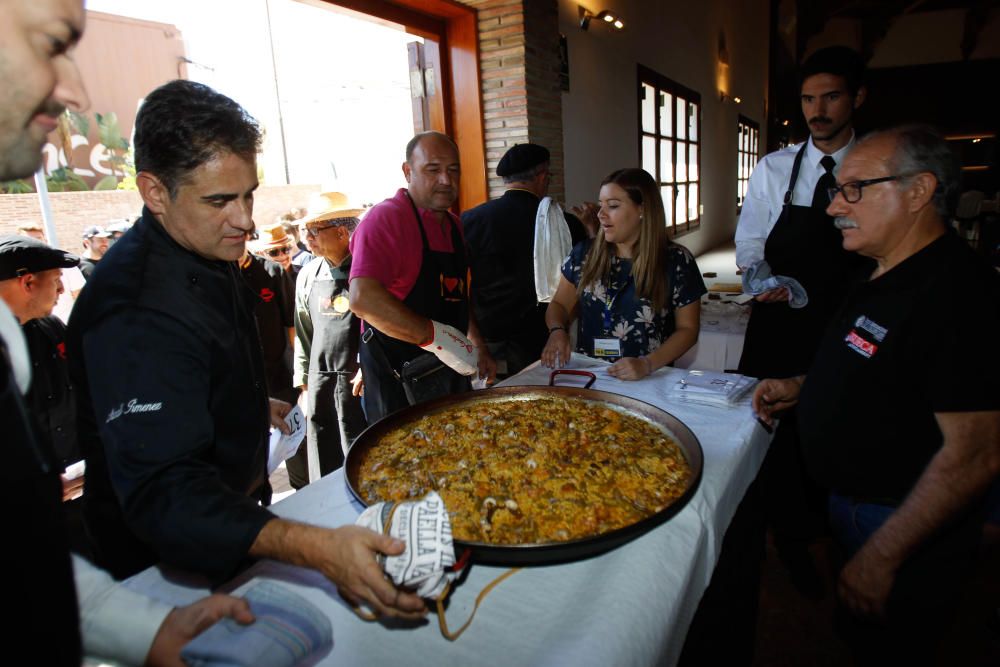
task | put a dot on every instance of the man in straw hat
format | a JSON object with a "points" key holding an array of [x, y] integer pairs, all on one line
{"points": [[327, 335], [275, 244]]}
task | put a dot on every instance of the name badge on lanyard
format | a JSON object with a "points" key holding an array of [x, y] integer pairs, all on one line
{"points": [[610, 347], [605, 348]]}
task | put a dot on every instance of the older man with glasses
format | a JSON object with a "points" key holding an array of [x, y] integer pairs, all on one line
{"points": [[327, 335], [899, 413]]}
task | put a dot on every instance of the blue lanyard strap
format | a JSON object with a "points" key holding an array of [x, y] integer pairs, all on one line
{"points": [[610, 303]]}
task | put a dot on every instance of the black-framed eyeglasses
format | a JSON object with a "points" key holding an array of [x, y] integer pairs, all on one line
{"points": [[275, 252], [314, 231], [852, 190]]}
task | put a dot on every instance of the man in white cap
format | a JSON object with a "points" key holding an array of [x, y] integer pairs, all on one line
{"points": [[327, 335], [96, 241]]}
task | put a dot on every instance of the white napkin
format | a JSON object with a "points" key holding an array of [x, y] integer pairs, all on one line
{"points": [[552, 245]]}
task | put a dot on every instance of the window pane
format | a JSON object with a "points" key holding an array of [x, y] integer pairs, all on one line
{"points": [[681, 116], [666, 161], [648, 108], [681, 204], [666, 109], [692, 202], [693, 122], [693, 162], [681, 162], [649, 154], [668, 204]]}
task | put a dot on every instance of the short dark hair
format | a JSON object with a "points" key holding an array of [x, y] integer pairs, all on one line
{"points": [[182, 125], [411, 145], [839, 61], [919, 149]]}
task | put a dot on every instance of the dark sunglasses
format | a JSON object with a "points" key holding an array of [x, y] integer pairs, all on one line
{"points": [[275, 252]]}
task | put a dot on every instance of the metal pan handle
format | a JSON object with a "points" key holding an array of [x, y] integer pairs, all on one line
{"points": [[563, 371]]}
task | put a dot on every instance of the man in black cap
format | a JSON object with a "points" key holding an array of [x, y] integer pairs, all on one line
{"points": [[501, 239], [96, 241], [30, 284]]}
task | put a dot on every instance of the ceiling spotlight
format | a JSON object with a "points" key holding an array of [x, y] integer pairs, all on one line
{"points": [[607, 17]]}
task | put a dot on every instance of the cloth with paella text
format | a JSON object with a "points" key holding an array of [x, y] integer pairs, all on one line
{"points": [[423, 525]]}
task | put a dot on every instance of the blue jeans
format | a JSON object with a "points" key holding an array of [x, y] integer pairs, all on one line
{"points": [[852, 523]]}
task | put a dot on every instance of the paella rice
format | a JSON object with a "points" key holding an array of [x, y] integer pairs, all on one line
{"points": [[546, 469]]}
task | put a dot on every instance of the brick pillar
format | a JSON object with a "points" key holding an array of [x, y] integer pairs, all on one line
{"points": [[519, 68]]}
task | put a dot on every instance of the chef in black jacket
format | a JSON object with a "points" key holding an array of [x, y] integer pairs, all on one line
{"points": [[175, 430]]}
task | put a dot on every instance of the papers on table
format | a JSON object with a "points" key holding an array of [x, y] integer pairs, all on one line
{"points": [[712, 388]]}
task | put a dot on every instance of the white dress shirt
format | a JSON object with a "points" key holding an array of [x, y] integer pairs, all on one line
{"points": [[766, 195], [115, 622]]}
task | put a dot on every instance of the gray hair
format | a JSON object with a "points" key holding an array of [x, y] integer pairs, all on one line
{"points": [[526, 175], [920, 149]]}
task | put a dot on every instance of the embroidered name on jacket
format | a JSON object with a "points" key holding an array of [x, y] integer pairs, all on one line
{"points": [[865, 336], [130, 408]]}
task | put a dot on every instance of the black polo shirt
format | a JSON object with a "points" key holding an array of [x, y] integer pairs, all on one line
{"points": [[915, 341]]}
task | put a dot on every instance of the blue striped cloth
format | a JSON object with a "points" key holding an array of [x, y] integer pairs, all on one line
{"points": [[287, 630]]}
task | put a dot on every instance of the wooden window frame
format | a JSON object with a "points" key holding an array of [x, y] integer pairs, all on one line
{"points": [[454, 28], [662, 84], [745, 158]]}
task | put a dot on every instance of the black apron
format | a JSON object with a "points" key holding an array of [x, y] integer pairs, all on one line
{"points": [[441, 293], [804, 244], [335, 416]]}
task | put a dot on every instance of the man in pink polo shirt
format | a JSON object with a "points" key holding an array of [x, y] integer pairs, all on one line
{"points": [[410, 284]]}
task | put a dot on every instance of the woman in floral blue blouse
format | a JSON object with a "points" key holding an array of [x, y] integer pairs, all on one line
{"points": [[637, 294]]}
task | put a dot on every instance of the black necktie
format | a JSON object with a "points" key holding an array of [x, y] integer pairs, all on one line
{"points": [[821, 198]]}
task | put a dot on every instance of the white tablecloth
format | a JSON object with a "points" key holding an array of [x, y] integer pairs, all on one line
{"points": [[631, 606], [720, 339]]}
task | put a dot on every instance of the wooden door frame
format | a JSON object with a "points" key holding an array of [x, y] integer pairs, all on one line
{"points": [[454, 27]]}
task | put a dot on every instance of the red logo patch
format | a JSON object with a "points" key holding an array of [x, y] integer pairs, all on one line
{"points": [[61, 349], [860, 345], [267, 295]]}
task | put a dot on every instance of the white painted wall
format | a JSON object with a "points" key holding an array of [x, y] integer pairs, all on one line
{"points": [[680, 41]]}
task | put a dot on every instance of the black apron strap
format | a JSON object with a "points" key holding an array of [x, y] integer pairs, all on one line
{"points": [[795, 173]]}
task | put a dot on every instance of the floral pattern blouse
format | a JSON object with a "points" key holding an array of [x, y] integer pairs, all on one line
{"points": [[630, 318]]}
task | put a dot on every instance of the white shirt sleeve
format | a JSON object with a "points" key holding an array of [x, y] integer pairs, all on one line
{"points": [[116, 623], [757, 217]]}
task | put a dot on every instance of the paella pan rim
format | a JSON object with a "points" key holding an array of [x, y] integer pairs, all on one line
{"points": [[543, 553]]}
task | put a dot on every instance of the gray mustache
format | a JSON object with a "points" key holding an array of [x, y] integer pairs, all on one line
{"points": [[844, 223]]}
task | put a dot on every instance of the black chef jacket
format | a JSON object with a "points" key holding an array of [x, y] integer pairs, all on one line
{"points": [[273, 307], [173, 407], [51, 394]]}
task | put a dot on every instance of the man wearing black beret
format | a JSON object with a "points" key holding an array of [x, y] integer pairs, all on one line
{"points": [[30, 284], [501, 238]]}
